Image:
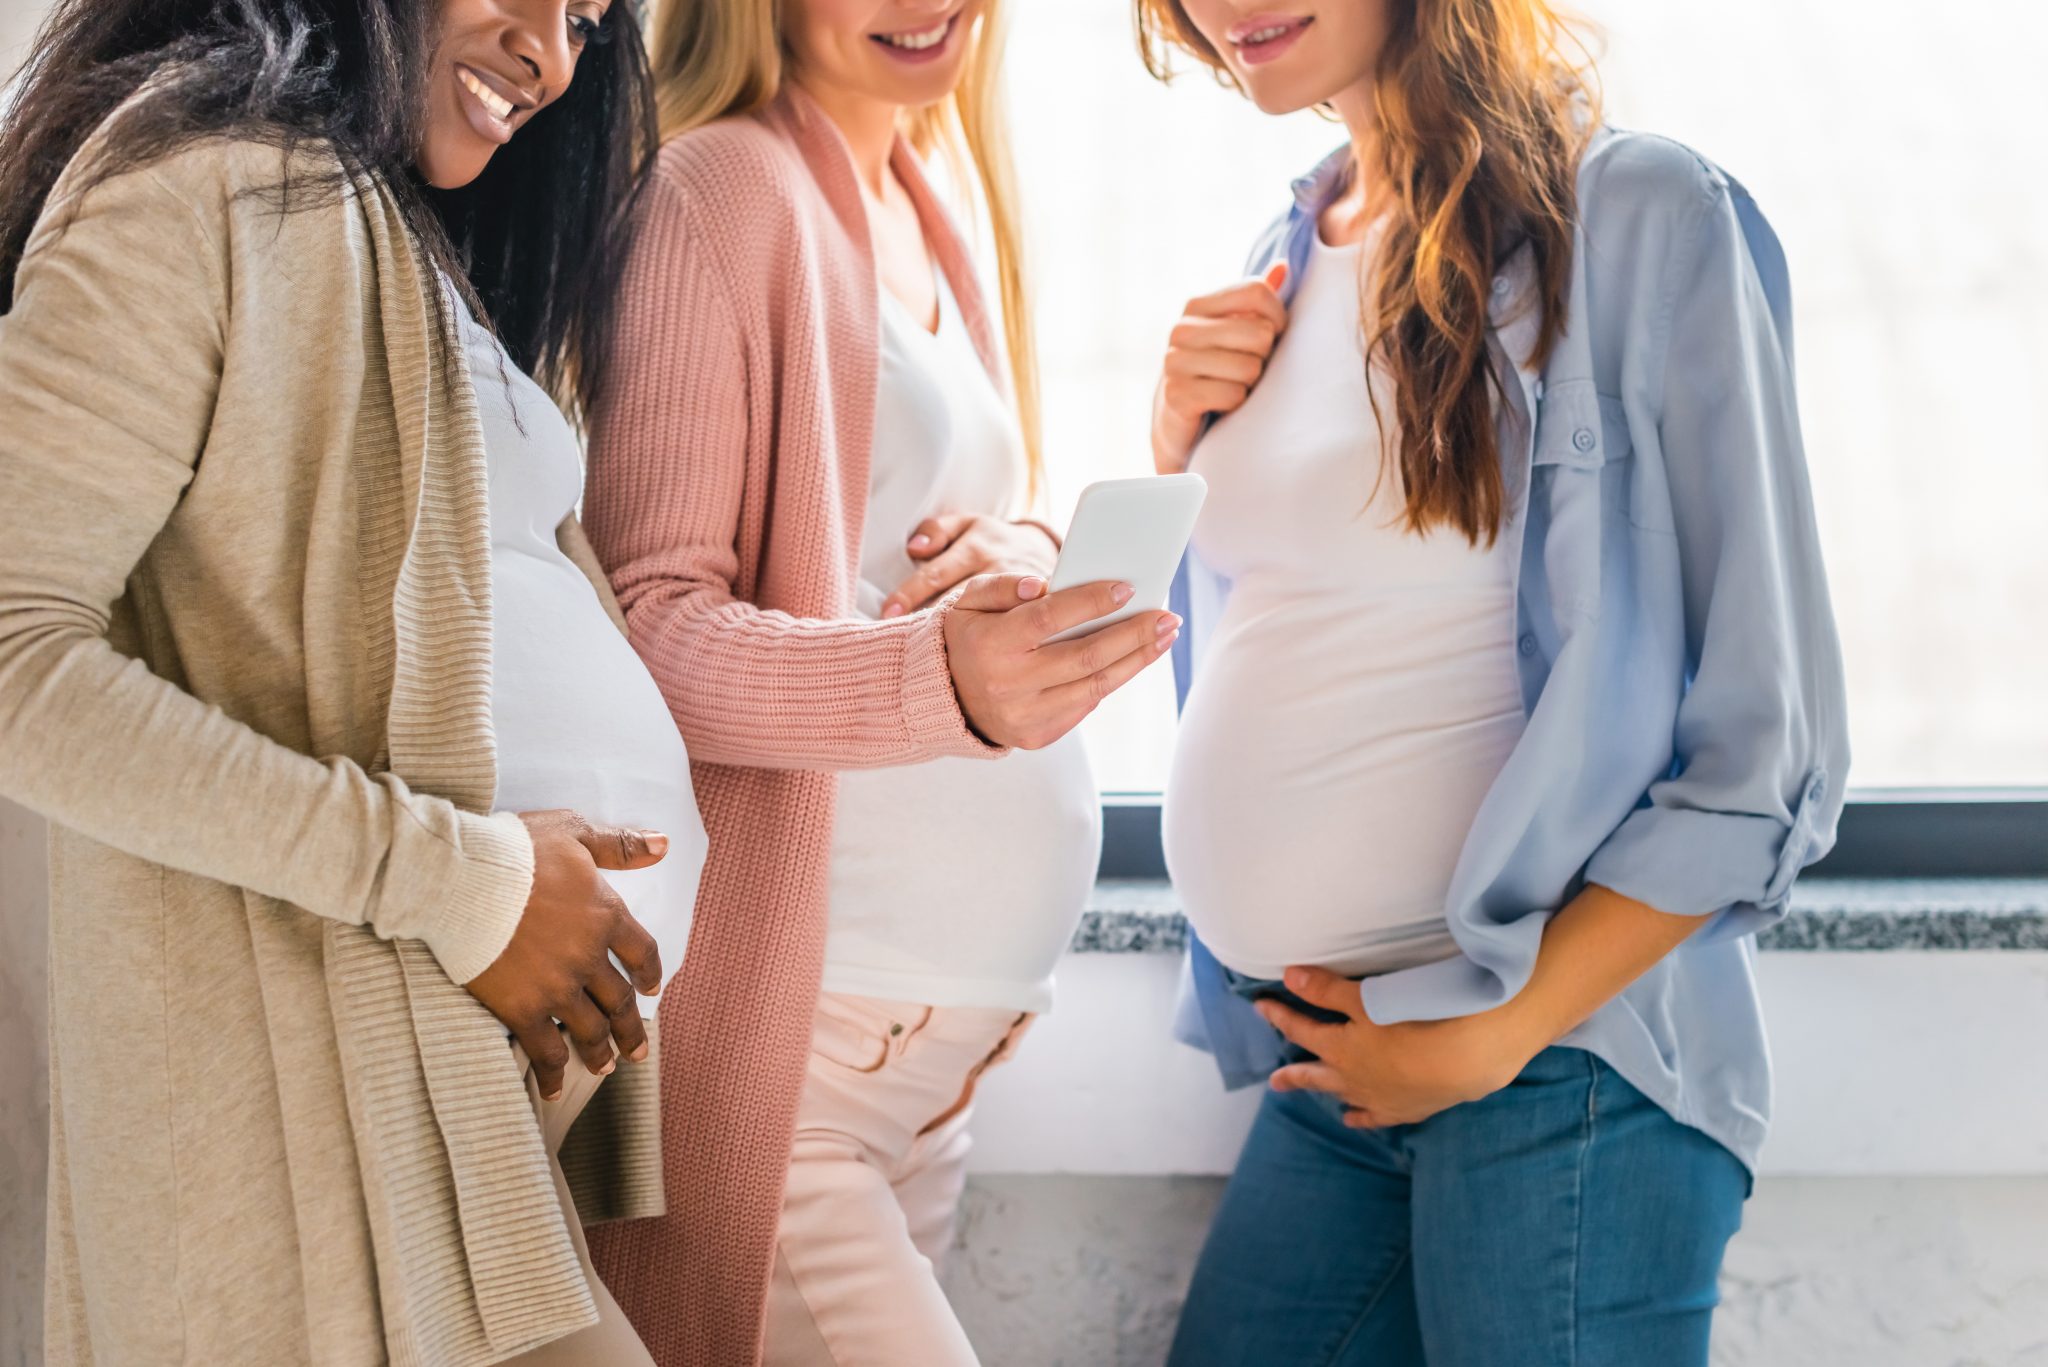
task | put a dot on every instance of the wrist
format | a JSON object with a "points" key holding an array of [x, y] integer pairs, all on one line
{"points": [[1172, 439], [1519, 1031], [479, 912], [1045, 528], [948, 621], [1169, 449]]}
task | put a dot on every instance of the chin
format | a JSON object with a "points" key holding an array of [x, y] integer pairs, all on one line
{"points": [[925, 88], [451, 168], [1280, 97]]}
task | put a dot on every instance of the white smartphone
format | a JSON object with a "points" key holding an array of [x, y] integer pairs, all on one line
{"points": [[1133, 530]]}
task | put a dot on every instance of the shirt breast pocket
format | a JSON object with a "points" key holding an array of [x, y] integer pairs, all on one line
{"points": [[1583, 440]]}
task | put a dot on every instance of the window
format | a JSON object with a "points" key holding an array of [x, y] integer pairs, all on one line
{"points": [[1896, 158]]}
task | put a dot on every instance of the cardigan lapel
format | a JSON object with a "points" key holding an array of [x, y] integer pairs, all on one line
{"points": [[434, 1091]]}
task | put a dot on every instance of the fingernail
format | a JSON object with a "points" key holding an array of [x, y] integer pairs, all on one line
{"points": [[1121, 593], [1295, 979], [657, 843], [919, 542], [555, 1095], [1168, 624], [892, 609], [1030, 586], [639, 1055], [1165, 643], [611, 1065]]}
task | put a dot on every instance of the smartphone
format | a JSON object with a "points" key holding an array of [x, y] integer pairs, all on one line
{"points": [[1133, 530]]}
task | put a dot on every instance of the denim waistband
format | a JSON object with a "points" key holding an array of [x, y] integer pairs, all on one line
{"points": [[1272, 989]]}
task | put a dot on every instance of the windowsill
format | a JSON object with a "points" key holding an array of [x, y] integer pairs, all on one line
{"points": [[1142, 916]]}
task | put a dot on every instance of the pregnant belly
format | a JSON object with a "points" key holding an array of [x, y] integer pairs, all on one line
{"points": [[964, 868], [581, 725], [1321, 792]]}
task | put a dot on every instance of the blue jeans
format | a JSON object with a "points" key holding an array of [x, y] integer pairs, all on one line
{"points": [[1565, 1221]]}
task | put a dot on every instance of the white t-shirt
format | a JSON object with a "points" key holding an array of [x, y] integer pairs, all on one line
{"points": [[580, 723], [1359, 695], [957, 882]]}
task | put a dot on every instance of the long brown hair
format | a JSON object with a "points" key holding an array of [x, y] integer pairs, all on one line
{"points": [[714, 58], [1484, 107]]}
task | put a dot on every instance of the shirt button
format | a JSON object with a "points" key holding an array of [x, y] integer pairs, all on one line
{"points": [[1583, 439], [1500, 284], [1527, 645], [1815, 793]]}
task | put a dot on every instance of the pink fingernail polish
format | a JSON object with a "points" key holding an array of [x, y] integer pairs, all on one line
{"points": [[1168, 623], [918, 543], [893, 610], [1121, 593]]}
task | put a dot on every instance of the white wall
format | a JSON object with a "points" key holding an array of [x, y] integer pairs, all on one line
{"points": [[1912, 1063]]}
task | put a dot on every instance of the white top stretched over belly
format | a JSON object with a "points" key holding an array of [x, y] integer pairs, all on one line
{"points": [[1359, 695]]}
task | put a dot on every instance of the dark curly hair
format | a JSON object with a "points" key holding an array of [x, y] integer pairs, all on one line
{"points": [[534, 242]]}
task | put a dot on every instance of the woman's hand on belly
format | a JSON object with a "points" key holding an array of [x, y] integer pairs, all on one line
{"points": [[558, 967], [954, 547], [1392, 1074]]}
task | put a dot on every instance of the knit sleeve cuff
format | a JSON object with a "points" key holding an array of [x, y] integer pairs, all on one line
{"points": [[931, 707], [1051, 533], [487, 897]]}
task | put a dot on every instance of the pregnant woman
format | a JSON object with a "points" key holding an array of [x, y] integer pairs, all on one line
{"points": [[1517, 706], [294, 618], [813, 436]]}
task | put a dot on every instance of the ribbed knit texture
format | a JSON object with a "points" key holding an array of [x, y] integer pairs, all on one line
{"points": [[728, 482], [243, 524]]}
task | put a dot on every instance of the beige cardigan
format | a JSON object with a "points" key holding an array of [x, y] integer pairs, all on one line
{"points": [[242, 525]]}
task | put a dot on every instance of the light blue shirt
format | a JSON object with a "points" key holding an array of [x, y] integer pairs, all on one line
{"points": [[1686, 741]]}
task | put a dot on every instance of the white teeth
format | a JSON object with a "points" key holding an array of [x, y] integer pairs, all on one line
{"points": [[917, 42], [1265, 35], [498, 105]]}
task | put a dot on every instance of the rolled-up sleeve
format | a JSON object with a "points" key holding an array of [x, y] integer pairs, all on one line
{"points": [[1761, 741]]}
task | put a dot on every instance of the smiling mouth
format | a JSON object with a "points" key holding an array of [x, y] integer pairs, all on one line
{"points": [[918, 40], [497, 105], [1269, 31]]}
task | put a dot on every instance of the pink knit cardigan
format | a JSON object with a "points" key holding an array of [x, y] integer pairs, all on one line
{"points": [[727, 489]]}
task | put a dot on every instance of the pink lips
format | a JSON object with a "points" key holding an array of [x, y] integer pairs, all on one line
{"points": [[920, 54], [1241, 34], [485, 121]]}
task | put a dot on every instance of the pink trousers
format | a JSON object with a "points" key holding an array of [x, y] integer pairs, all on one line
{"points": [[874, 1181]]}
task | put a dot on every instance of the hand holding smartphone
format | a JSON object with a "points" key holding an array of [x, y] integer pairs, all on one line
{"points": [[1133, 530]]}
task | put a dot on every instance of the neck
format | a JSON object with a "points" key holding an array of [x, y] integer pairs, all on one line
{"points": [[1366, 196], [869, 127]]}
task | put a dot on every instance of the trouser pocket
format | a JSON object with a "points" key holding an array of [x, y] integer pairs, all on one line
{"points": [[862, 1033]]}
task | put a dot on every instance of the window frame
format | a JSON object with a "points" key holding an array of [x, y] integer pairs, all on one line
{"points": [[1899, 833]]}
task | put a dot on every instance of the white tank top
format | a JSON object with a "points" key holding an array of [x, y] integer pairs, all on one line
{"points": [[957, 882], [580, 723], [1359, 695]]}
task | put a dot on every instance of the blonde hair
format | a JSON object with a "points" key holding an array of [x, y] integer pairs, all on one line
{"points": [[714, 58]]}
